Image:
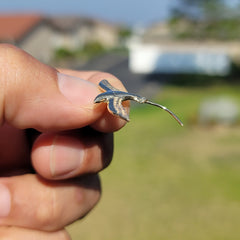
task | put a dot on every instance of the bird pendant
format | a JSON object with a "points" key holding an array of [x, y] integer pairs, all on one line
{"points": [[114, 98]]}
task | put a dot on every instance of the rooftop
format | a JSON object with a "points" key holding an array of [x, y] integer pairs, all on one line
{"points": [[16, 26]]}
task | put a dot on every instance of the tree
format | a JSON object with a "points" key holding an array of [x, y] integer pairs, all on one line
{"points": [[200, 9], [205, 19]]}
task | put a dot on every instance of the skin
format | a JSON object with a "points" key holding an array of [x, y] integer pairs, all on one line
{"points": [[48, 184]]}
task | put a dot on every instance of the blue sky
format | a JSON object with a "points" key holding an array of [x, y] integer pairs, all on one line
{"points": [[125, 11], [132, 12]]}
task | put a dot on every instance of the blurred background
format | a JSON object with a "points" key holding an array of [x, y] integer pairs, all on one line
{"points": [[166, 181]]}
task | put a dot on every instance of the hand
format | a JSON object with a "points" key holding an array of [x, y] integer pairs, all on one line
{"points": [[64, 185]]}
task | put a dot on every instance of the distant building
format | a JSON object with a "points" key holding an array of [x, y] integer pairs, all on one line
{"points": [[156, 51], [41, 36], [172, 58], [73, 32]]}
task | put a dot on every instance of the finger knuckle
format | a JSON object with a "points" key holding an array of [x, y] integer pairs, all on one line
{"points": [[12, 62], [6, 47], [9, 55]]}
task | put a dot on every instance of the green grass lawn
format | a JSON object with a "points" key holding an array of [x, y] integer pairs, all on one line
{"points": [[170, 182]]}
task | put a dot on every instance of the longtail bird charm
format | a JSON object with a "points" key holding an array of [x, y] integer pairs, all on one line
{"points": [[114, 98]]}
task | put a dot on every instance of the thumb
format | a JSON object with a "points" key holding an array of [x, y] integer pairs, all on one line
{"points": [[34, 95]]}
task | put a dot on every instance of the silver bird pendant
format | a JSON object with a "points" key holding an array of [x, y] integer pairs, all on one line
{"points": [[114, 98]]}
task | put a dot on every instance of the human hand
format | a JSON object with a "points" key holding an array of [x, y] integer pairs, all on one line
{"points": [[73, 144]]}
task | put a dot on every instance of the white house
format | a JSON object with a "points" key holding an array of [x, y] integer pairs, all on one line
{"points": [[152, 58]]}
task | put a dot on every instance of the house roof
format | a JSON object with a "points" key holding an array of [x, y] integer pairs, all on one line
{"points": [[69, 23], [14, 27]]}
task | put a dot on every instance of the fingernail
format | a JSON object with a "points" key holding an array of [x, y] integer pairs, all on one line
{"points": [[5, 201], [77, 90], [66, 156]]}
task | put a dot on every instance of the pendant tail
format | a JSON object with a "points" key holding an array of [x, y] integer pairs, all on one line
{"points": [[167, 110]]}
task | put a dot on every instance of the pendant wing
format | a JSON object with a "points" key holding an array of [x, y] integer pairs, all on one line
{"points": [[106, 86], [116, 108]]}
